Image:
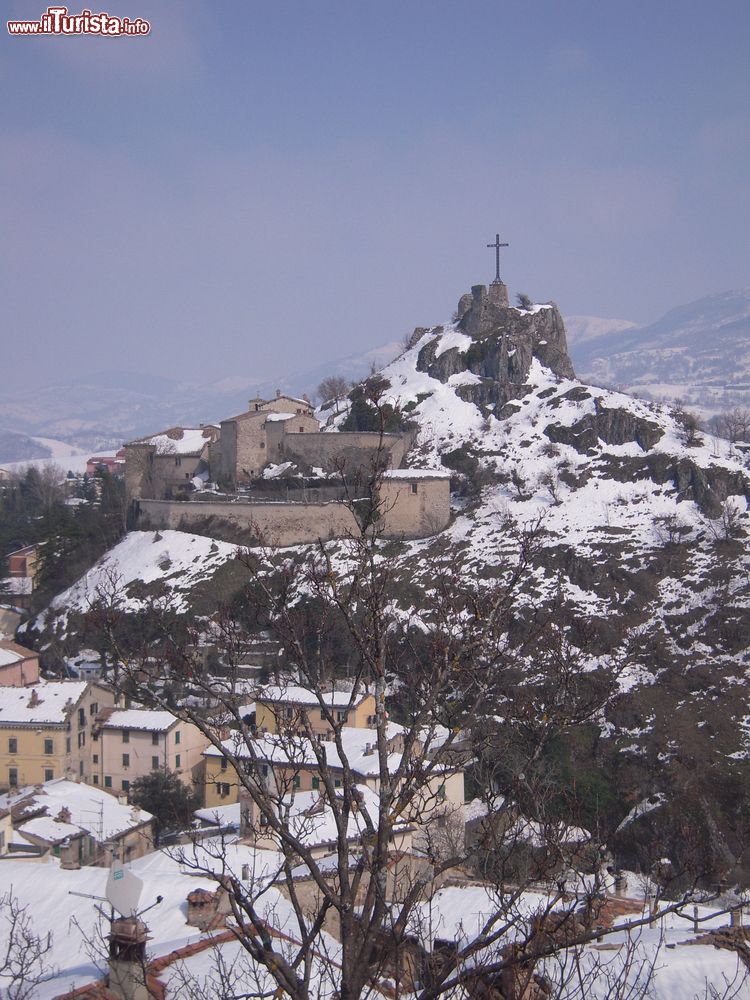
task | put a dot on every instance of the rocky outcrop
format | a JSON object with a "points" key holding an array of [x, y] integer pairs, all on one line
{"points": [[609, 425], [505, 342]]}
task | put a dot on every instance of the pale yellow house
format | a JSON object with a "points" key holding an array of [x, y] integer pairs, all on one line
{"points": [[289, 708], [46, 731], [134, 742], [280, 708]]}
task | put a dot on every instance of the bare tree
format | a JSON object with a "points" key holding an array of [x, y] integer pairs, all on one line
{"points": [[334, 387], [25, 955]]}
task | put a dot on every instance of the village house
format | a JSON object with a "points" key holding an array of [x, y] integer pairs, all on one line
{"points": [[23, 572], [164, 465], [281, 708], [19, 667], [132, 743], [114, 464], [288, 766], [250, 441], [279, 751], [77, 823], [46, 731]]}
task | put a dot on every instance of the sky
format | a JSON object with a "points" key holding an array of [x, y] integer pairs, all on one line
{"points": [[256, 187]]}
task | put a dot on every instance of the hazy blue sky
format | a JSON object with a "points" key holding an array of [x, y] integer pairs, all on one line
{"points": [[259, 186]]}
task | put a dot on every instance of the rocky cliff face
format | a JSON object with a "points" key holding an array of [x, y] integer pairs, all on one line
{"points": [[504, 342]]}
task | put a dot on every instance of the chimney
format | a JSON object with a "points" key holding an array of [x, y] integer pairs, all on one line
{"points": [[278, 393], [127, 959]]}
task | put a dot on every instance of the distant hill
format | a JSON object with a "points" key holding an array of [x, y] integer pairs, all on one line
{"points": [[699, 352], [99, 411]]}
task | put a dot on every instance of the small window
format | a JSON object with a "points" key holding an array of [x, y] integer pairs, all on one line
{"points": [[67, 744], [95, 736], [96, 779], [322, 715], [187, 475], [154, 763], [12, 744], [126, 736], [126, 760], [80, 767], [107, 781], [93, 708], [155, 739], [81, 717], [297, 781], [414, 487], [177, 737], [48, 774], [441, 792], [82, 739], [49, 747], [13, 777], [337, 783], [125, 785], [95, 758], [178, 461], [342, 716], [302, 430], [262, 444], [176, 760], [224, 763], [316, 783]]}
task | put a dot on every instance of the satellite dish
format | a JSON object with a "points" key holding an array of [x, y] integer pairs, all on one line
{"points": [[123, 890]]}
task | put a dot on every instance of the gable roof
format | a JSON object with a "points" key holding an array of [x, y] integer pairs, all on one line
{"points": [[47, 702]]}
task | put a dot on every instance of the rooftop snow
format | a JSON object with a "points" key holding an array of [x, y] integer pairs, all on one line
{"points": [[416, 474], [52, 699], [133, 718], [191, 442], [90, 808]]}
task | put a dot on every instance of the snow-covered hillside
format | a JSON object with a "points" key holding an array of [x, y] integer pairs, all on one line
{"points": [[143, 565]]}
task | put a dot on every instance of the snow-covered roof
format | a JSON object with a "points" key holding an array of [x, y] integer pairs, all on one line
{"points": [[274, 417], [90, 808], [45, 702], [46, 828], [12, 653], [140, 718], [296, 695], [178, 441], [220, 815], [416, 474], [297, 751]]}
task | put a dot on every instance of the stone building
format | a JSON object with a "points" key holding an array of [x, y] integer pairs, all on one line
{"points": [[250, 441], [164, 465]]}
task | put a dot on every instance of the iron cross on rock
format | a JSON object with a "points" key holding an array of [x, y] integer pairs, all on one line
{"points": [[497, 244]]}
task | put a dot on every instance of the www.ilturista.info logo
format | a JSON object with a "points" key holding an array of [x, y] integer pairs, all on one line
{"points": [[57, 21]]}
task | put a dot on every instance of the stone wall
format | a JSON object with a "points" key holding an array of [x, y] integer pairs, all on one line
{"points": [[411, 509], [265, 523]]}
